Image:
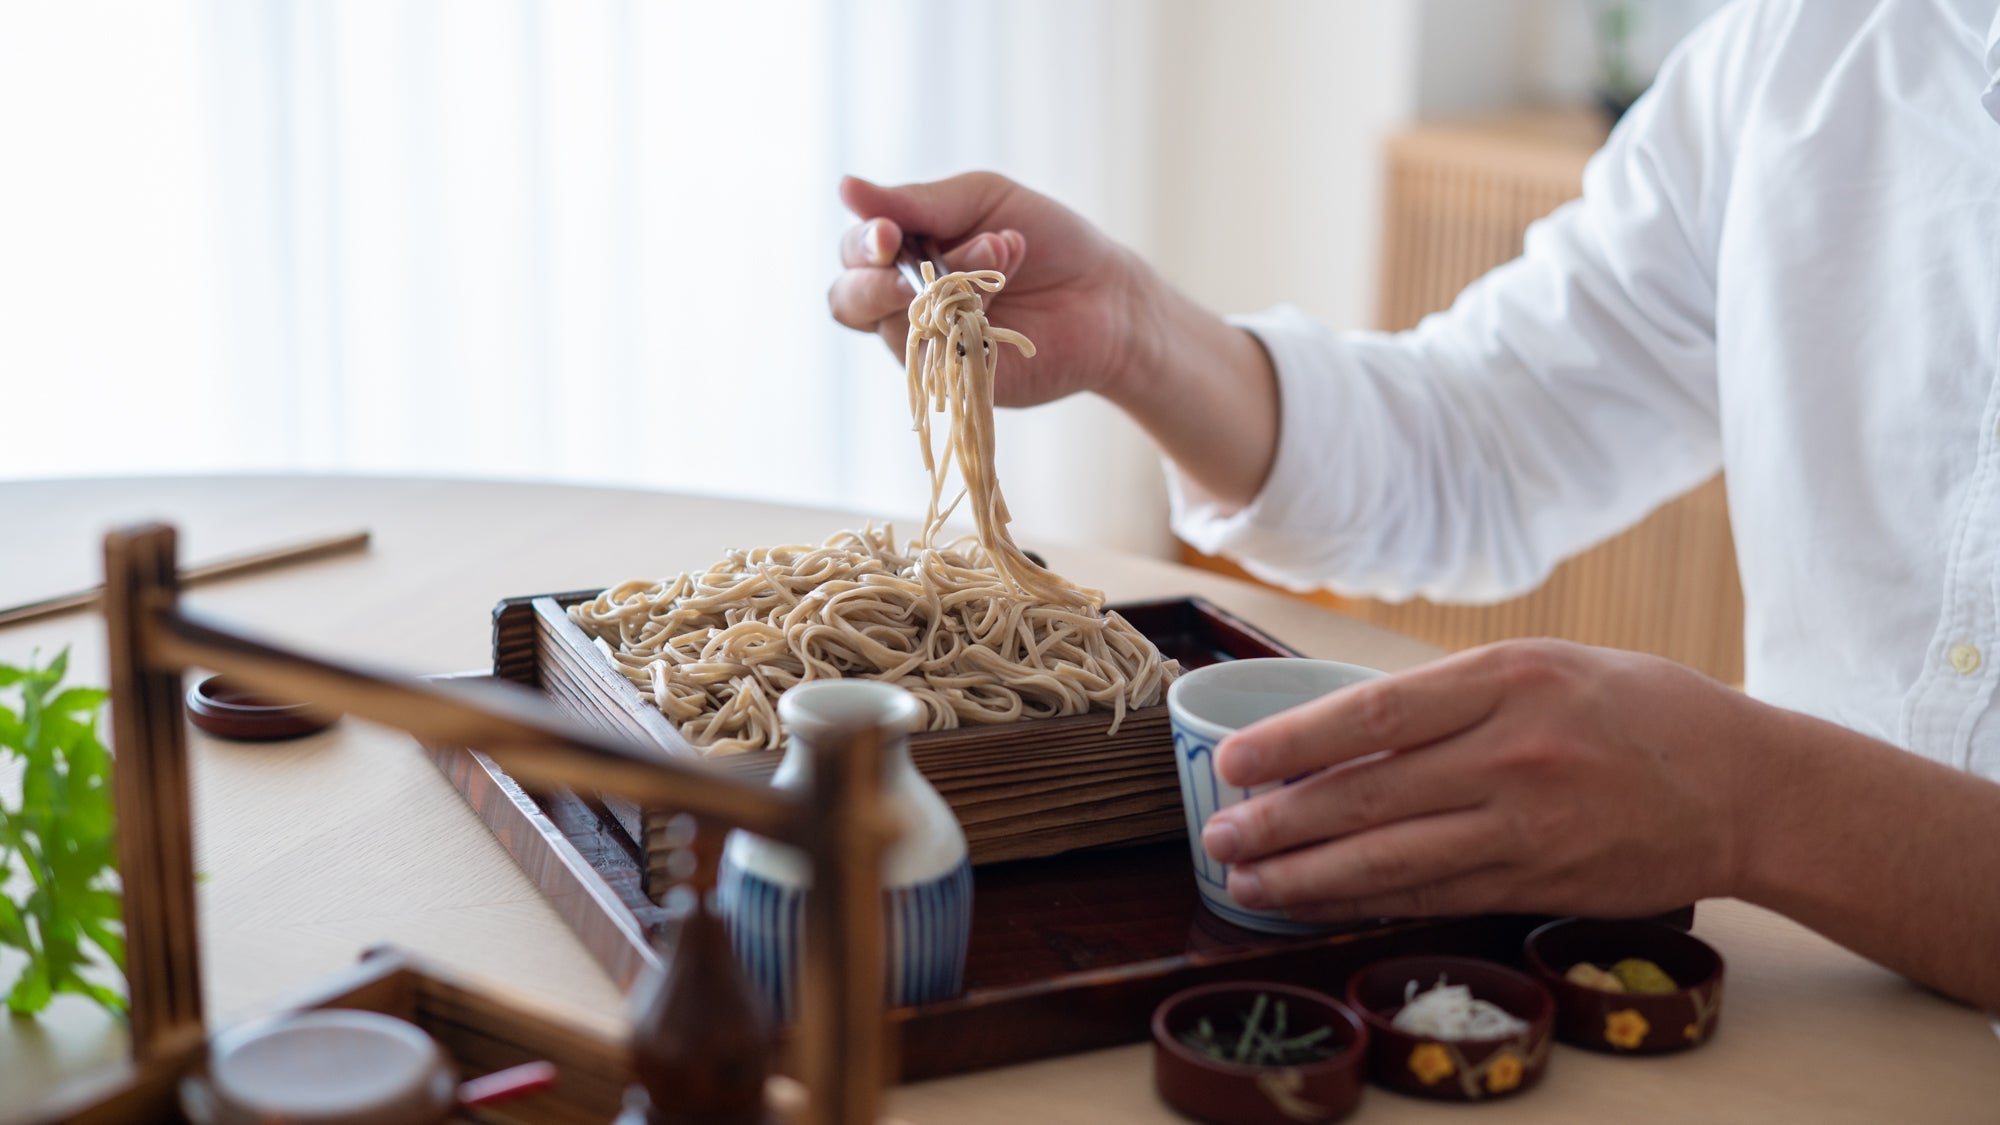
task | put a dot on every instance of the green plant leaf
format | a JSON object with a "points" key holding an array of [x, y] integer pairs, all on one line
{"points": [[100, 903], [32, 991], [109, 936], [37, 793], [89, 817], [13, 928], [109, 998], [61, 835], [78, 699]]}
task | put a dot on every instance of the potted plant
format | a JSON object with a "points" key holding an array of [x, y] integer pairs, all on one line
{"points": [[59, 898], [1619, 81]]}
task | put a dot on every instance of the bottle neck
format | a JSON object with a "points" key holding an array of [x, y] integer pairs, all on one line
{"points": [[795, 769]]}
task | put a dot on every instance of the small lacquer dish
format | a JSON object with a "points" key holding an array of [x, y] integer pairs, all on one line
{"points": [[1258, 1053], [1492, 1041], [226, 710], [1628, 987]]}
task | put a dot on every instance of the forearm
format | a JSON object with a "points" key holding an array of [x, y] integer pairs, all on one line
{"points": [[1458, 461], [1203, 389], [1890, 854]]}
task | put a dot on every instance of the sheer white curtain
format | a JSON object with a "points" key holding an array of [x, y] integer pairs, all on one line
{"points": [[589, 239], [570, 239]]}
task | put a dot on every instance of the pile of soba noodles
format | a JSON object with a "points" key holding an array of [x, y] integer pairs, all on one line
{"points": [[972, 627]]}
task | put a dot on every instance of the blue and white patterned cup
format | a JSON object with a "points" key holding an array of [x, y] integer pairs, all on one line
{"points": [[761, 887], [1205, 706]]}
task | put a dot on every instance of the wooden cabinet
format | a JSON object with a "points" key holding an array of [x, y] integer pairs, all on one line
{"points": [[1459, 198]]}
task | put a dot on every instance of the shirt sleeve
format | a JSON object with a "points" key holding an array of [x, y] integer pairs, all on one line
{"points": [[1559, 400]]}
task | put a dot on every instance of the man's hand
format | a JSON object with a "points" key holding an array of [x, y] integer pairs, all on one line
{"points": [[1070, 289], [1534, 776], [1101, 319]]}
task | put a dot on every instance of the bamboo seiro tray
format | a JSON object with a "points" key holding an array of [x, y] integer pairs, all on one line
{"points": [[1071, 948], [1021, 790], [1068, 953]]}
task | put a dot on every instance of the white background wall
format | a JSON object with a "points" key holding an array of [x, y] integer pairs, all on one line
{"points": [[275, 234], [1275, 113], [1270, 162]]}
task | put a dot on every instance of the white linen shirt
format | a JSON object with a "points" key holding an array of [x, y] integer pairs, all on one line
{"points": [[1785, 262]]}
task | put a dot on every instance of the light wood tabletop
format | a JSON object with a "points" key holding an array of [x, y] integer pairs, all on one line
{"points": [[312, 851]]}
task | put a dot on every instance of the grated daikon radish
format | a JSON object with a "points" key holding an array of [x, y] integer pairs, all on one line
{"points": [[1450, 1011]]}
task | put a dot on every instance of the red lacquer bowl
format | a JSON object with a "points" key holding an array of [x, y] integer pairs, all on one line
{"points": [[1227, 1093], [1628, 1023], [1467, 1070]]}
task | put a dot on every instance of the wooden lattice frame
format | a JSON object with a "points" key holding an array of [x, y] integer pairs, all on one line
{"points": [[841, 821]]}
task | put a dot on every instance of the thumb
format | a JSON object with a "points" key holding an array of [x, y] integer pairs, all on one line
{"points": [[943, 209]]}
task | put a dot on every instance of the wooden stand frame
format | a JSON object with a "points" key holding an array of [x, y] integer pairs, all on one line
{"points": [[842, 822]]}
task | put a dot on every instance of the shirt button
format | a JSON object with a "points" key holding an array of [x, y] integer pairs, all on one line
{"points": [[1964, 658]]}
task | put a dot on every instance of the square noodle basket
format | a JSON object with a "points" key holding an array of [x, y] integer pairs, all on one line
{"points": [[1085, 910], [1021, 790]]}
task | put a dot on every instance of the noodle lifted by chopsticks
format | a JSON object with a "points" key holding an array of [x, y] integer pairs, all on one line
{"points": [[973, 628]]}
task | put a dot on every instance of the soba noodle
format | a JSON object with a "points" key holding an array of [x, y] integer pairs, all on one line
{"points": [[973, 627]]}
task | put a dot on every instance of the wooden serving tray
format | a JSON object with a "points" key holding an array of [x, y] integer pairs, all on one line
{"points": [[1021, 790], [1068, 953], [480, 1030]]}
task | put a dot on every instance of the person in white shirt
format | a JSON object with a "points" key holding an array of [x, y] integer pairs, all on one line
{"points": [[1785, 263]]}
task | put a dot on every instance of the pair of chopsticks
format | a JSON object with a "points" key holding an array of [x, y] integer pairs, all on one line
{"points": [[233, 567], [910, 258]]}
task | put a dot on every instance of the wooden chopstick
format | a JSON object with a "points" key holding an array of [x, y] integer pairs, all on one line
{"points": [[235, 567]]}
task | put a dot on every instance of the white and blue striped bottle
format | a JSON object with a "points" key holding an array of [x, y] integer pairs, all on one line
{"points": [[926, 877]]}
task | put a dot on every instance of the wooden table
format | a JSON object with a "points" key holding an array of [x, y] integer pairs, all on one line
{"points": [[315, 850]]}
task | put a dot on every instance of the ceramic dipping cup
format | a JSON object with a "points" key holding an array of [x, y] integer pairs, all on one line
{"points": [[1205, 706], [331, 1067]]}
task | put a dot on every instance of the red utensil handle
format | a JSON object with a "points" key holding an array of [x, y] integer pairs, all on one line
{"points": [[504, 1085]]}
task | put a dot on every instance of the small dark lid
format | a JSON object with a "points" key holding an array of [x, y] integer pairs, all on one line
{"points": [[227, 711]]}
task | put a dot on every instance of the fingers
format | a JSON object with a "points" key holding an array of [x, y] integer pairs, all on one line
{"points": [[1476, 892], [870, 293], [1392, 713], [1002, 250], [864, 298], [1353, 798], [945, 209], [873, 243], [1403, 858]]}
